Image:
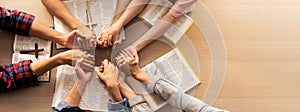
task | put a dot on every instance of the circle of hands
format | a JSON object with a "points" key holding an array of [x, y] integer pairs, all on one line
{"points": [[82, 40]]}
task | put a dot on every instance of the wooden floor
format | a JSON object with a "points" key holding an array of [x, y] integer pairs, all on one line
{"points": [[262, 44]]}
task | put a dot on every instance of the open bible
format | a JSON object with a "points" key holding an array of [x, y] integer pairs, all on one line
{"points": [[171, 66], [95, 98], [156, 9], [24, 49], [101, 13]]}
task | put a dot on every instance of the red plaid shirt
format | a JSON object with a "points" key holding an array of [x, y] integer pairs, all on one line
{"points": [[15, 21], [15, 76]]}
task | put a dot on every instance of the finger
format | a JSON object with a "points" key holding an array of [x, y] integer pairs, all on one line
{"points": [[105, 63], [105, 42], [101, 40], [98, 72], [92, 43], [101, 68], [90, 57], [78, 63], [87, 68], [78, 34], [136, 59], [87, 44], [128, 54], [109, 40], [125, 55], [78, 40], [116, 43], [83, 43], [78, 67], [121, 63], [88, 64]]}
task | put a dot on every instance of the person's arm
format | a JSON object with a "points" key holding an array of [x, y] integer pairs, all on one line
{"points": [[160, 27], [108, 74], [122, 16], [26, 24], [60, 11], [136, 102], [109, 77], [173, 94], [84, 68], [68, 57]]}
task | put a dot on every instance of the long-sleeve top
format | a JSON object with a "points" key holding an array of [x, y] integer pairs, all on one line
{"points": [[181, 7], [14, 76], [15, 21], [175, 96]]}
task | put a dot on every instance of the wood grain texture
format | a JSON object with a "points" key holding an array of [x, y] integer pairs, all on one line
{"points": [[262, 46]]}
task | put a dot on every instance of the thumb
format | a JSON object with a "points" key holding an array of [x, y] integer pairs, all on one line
{"points": [[117, 43], [136, 61], [98, 72]]}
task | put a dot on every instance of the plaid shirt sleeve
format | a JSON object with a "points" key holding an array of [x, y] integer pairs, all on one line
{"points": [[15, 21], [15, 76]]}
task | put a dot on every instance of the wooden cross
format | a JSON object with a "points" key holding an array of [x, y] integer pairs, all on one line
{"points": [[36, 50], [88, 14]]}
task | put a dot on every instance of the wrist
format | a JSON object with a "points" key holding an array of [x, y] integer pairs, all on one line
{"points": [[60, 59], [137, 46], [117, 25], [61, 39], [112, 85], [75, 25], [142, 77]]}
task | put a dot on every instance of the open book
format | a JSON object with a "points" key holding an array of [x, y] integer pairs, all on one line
{"points": [[156, 9], [171, 66], [101, 13], [95, 97], [22, 43]]}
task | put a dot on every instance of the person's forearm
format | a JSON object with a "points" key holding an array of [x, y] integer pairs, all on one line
{"points": [[60, 11], [43, 66], [115, 93], [41, 30], [73, 97], [124, 17], [157, 30]]}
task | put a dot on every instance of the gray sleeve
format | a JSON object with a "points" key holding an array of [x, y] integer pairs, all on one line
{"points": [[121, 106], [176, 97], [138, 104], [61, 105]]}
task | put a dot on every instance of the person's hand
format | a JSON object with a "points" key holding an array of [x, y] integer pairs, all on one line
{"points": [[71, 56], [125, 55], [108, 73], [87, 40], [110, 37], [77, 40], [84, 68], [128, 60]]}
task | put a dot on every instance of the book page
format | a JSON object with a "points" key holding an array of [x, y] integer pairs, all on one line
{"points": [[17, 57], [102, 13], [28, 43], [171, 66], [95, 97], [156, 9]]}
